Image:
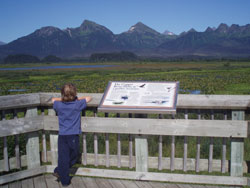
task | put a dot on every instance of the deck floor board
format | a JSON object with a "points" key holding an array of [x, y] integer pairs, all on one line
{"points": [[49, 181]]}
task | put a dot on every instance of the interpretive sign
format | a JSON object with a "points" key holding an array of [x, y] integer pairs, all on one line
{"points": [[140, 97]]}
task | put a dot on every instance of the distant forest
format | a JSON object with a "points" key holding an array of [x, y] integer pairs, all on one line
{"points": [[123, 56]]}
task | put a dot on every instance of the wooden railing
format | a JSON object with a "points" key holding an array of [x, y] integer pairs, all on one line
{"points": [[199, 117]]}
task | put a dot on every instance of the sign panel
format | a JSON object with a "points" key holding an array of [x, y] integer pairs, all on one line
{"points": [[140, 97]]}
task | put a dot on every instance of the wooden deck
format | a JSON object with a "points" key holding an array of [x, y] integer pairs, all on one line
{"points": [[49, 181]]}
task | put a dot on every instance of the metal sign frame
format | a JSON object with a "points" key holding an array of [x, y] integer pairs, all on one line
{"points": [[153, 97]]}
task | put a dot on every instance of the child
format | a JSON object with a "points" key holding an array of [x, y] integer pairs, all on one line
{"points": [[68, 109]]}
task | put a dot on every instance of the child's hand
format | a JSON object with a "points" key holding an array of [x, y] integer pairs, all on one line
{"points": [[88, 98], [56, 99]]}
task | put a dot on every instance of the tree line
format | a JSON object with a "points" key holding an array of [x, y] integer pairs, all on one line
{"points": [[25, 58], [123, 56]]}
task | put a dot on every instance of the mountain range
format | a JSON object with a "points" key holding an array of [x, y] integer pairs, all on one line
{"points": [[90, 37]]}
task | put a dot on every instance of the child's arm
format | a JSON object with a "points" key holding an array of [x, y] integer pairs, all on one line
{"points": [[88, 98], [56, 99]]}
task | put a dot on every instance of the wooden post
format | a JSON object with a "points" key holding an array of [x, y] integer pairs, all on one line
{"points": [[237, 149], [32, 144], [53, 141], [5, 149], [141, 151], [44, 158]]}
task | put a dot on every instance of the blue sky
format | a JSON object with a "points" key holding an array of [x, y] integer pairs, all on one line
{"points": [[22, 17]]}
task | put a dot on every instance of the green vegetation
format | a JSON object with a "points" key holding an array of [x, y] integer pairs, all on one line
{"points": [[207, 78]]}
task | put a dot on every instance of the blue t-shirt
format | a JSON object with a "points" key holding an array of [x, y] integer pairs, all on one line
{"points": [[69, 116]]}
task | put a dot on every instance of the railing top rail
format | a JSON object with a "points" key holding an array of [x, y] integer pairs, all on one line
{"points": [[19, 101], [185, 101]]}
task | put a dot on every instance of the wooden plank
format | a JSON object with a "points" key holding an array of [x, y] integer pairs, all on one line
{"points": [[185, 154], [4, 186], [213, 101], [17, 152], [118, 151], [141, 153], [224, 153], [210, 157], [129, 184], [177, 127], [89, 182], [153, 162], [17, 149], [12, 163], [130, 152], [77, 182], [143, 184], [107, 149], [28, 183], [16, 184], [184, 186], [19, 101], [160, 153], [5, 148], [96, 149], [198, 147], [184, 101], [224, 149], [237, 148], [53, 138], [171, 185], [44, 140], [22, 174], [20, 126], [84, 145], [51, 181], [103, 183], [32, 144], [151, 176], [198, 151], [39, 182], [157, 184], [172, 157], [237, 153], [185, 147], [116, 183], [5, 153]]}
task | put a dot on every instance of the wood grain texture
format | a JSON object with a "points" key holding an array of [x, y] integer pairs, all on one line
{"points": [[28, 183], [77, 182], [32, 143], [184, 101], [151, 176], [51, 181], [22, 174], [39, 181], [175, 127], [237, 148], [141, 153], [19, 101], [20, 126]]}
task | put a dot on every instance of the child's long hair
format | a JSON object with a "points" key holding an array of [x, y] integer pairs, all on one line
{"points": [[68, 92]]}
